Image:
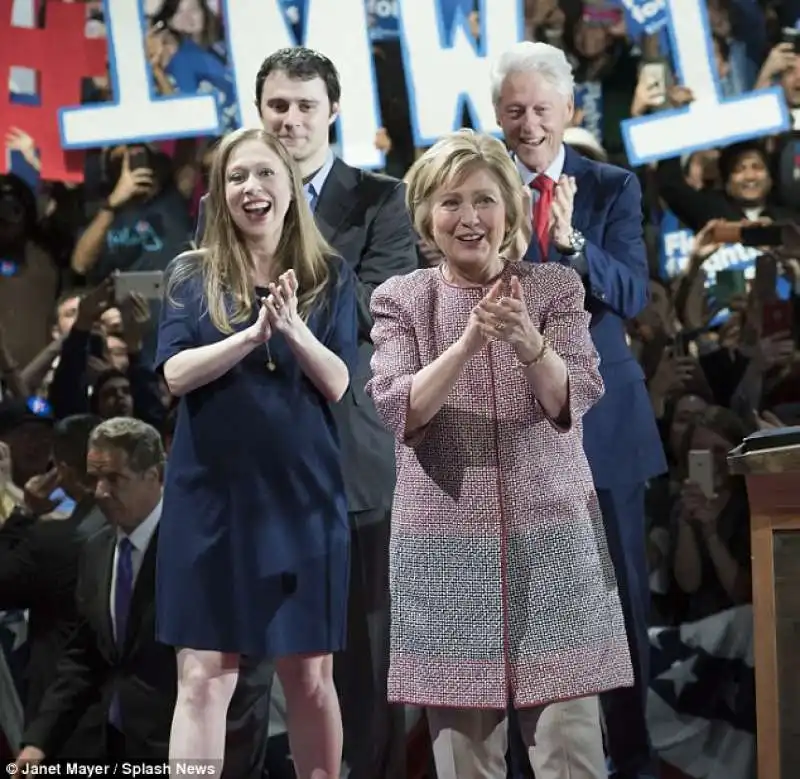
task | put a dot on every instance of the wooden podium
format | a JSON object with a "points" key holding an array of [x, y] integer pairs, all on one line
{"points": [[773, 489]]}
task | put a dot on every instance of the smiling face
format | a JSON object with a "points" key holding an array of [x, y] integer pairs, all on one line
{"points": [[533, 116], [299, 112], [257, 189], [468, 220], [749, 181]]}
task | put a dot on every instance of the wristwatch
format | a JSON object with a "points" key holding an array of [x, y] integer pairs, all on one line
{"points": [[576, 242]]}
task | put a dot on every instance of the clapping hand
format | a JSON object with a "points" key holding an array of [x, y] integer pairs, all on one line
{"points": [[281, 304], [561, 211], [507, 319]]}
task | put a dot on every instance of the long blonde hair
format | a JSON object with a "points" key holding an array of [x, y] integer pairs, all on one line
{"points": [[223, 259]]}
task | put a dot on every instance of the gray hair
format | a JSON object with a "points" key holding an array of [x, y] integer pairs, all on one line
{"points": [[138, 440], [548, 61]]}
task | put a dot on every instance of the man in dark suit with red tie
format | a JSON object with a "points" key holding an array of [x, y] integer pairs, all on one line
{"points": [[363, 216], [588, 215], [113, 658]]}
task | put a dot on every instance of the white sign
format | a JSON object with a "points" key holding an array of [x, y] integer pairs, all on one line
{"points": [[137, 113], [709, 121], [445, 71], [441, 79]]}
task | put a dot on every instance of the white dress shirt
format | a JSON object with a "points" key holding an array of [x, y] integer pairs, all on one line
{"points": [[553, 172], [140, 540]]}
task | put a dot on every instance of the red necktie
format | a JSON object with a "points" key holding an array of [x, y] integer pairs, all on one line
{"points": [[544, 185]]}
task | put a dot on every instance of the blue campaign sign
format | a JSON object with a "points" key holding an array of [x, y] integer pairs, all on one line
{"points": [[383, 17], [709, 121], [644, 17]]}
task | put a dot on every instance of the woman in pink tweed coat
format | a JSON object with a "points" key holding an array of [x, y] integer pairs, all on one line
{"points": [[502, 586]]}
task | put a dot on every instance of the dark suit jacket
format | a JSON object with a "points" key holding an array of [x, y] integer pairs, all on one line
{"points": [[620, 435], [364, 217], [38, 572], [143, 673]]}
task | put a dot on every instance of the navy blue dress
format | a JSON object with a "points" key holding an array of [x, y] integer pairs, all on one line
{"points": [[253, 546]]}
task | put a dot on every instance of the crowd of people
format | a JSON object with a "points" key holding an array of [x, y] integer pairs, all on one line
{"points": [[421, 444]]}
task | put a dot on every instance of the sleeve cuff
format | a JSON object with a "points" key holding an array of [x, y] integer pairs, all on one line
{"points": [[578, 263]]}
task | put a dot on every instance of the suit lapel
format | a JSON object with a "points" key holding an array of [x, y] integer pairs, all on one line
{"points": [[143, 592], [335, 201]]}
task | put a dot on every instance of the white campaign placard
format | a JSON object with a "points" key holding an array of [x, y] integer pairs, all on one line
{"points": [[448, 69], [710, 120], [137, 112]]}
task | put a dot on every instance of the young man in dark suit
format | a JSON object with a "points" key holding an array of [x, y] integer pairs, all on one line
{"points": [[112, 659], [363, 216], [588, 215]]}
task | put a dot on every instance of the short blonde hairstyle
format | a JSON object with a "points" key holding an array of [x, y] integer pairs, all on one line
{"points": [[447, 163]]}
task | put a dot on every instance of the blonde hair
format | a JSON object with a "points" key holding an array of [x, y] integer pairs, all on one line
{"points": [[447, 163], [223, 259]]}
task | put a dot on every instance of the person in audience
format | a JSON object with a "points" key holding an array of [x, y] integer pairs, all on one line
{"points": [[363, 217], [711, 562], [39, 568], [587, 217], [259, 330], [84, 379], [29, 278], [745, 170], [113, 658], [483, 370]]}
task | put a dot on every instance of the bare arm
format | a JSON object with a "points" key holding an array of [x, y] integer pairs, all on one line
{"points": [[686, 565], [431, 386], [90, 244], [34, 373], [326, 371], [193, 368], [549, 380]]}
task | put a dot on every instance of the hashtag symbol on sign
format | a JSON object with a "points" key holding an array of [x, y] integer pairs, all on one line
{"points": [[62, 55]]}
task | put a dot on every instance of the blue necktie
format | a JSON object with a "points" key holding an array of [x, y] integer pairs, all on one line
{"points": [[311, 196], [122, 603], [124, 589]]}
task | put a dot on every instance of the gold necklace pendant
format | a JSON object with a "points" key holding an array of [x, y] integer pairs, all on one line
{"points": [[270, 362], [271, 365]]}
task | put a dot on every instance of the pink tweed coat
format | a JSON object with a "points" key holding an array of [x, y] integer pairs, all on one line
{"points": [[500, 576]]}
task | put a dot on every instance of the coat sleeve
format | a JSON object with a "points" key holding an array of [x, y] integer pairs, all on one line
{"points": [[395, 360], [616, 270], [566, 328]]}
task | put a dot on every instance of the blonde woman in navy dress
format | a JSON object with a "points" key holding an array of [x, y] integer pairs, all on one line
{"points": [[257, 338]]}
